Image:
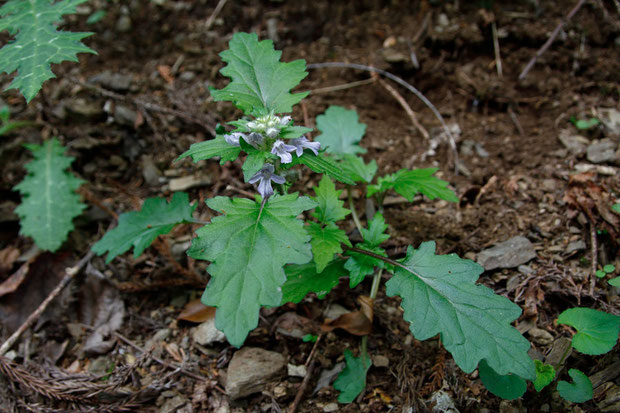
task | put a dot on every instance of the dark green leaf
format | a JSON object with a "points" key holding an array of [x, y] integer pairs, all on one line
{"points": [[291, 132], [211, 149], [355, 167], [409, 182], [323, 165], [341, 131], [597, 331], [303, 279], [360, 265], [507, 387], [326, 241], [375, 234], [614, 282], [329, 206], [352, 380], [579, 391]]}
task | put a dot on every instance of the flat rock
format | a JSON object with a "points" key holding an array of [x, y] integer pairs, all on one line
{"points": [[578, 245], [602, 151], [508, 254], [576, 144], [125, 115], [250, 369], [206, 333], [113, 81], [540, 336], [610, 117], [84, 110]]}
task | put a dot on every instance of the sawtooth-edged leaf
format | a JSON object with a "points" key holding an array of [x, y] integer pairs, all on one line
{"points": [[545, 374], [211, 149], [292, 132], [248, 247], [357, 169], [579, 391], [326, 242], [260, 83], [254, 161], [49, 202], [352, 380], [329, 206], [408, 183], [303, 279], [440, 296], [138, 229], [597, 331], [323, 165], [37, 41], [341, 131], [375, 234], [361, 265], [508, 387]]}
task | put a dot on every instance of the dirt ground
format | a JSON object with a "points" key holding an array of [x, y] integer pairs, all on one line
{"points": [[515, 177]]}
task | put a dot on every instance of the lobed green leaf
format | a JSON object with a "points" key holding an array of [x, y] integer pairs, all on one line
{"points": [[352, 380], [408, 183], [341, 131], [357, 169], [329, 206], [545, 374], [304, 279], [323, 165], [597, 331], [508, 387], [326, 242], [217, 147], [579, 391]]}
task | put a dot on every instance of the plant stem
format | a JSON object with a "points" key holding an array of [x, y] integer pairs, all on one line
{"points": [[356, 218]]}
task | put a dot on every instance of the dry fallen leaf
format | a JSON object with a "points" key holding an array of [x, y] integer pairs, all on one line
{"points": [[196, 312], [165, 73], [15, 280], [358, 323], [8, 256]]}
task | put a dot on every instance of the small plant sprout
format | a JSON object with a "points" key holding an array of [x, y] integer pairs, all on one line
{"points": [[281, 245]]}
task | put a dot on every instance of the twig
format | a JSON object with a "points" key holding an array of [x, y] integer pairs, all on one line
{"points": [[70, 273], [405, 105], [216, 11], [356, 218], [342, 86], [498, 58], [406, 85], [304, 384], [550, 40], [515, 120], [594, 251]]}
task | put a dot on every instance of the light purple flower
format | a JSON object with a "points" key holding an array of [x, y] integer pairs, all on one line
{"points": [[272, 132], [301, 143], [233, 138], [264, 178], [283, 151], [285, 120], [254, 139]]}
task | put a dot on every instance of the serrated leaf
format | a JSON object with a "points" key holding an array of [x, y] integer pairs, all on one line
{"points": [[254, 161], [410, 182], [323, 165], [597, 331], [211, 149], [357, 169], [440, 296], [545, 374], [375, 234], [138, 229], [49, 202], [292, 132], [260, 83], [303, 279], [329, 206], [341, 131], [38, 43], [508, 387], [579, 391], [361, 265], [352, 380], [248, 247], [326, 241]]}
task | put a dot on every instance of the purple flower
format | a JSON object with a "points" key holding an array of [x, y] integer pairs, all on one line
{"points": [[264, 178], [254, 139], [283, 151], [233, 138], [285, 120], [301, 143]]}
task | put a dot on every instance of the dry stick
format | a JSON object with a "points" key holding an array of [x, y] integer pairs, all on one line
{"points": [[550, 40], [343, 86], [70, 273], [594, 250], [213, 15], [406, 85], [304, 384], [498, 58], [405, 105]]}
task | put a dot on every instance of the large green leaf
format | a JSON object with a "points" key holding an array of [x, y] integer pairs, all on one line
{"points": [[323, 165], [303, 279], [341, 131], [211, 149], [49, 202], [329, 206], [248, 248], [138, 229], [38, 42], [326, 241], [579, 391], [410, 182], [260, 83], [440, 296], [597, 331], [507, 387], [352, 380]]}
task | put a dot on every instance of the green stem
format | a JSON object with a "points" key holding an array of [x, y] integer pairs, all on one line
{"points": [[356, 218]]}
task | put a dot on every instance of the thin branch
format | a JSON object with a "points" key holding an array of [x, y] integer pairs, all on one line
{"points": [[343, 86], [399, 98], [304, 384], [550, 40], [356, 218], [216, 11], [377, 256], [498, 58]]}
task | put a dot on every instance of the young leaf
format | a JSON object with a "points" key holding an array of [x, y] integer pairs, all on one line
{"points": [[303, 279], [330, 207], [609, 268], [140, 228], [260, 83], [357, 169], [579, 391], [439, 296], [600, 274], [212, 148], [508, 387], [616, 208], [544, 375], [375, 234], [352, 380], [409, 182], [597, 331], [614, 282], [361, 265], [49, 202], [341, 131], [248, 248], [323, 165], [326, 242], [38, 43]]}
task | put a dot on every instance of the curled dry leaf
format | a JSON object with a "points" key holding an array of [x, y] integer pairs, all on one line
{"points": [[15, 280], [196, 312], [358, 323], [8, 256]]}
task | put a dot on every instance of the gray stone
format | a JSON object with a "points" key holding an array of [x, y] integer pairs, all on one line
{"points": [[296, 371], [578, 245], [206, 333], [123, 24], [124, 115], [331, 407], [113, 81], [187, 76], [173, 404], [84, 110], [576, 144], [525, 269], [443, 403], [602, 151], [150, 172], [610, 117], [250, 369], [540, 336], [334, 311], [380, 361], [508, 254], [508, 406]]}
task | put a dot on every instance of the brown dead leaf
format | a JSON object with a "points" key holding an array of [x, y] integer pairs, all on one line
{"points": [[358, 323], [177, 353], [196, 312], [15, 280], [166, 73], [8, 256], [291, 324]]}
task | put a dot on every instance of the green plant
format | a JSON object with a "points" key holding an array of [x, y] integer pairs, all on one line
{"points": [[585, 124], [263, 253], [6, 125]]}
